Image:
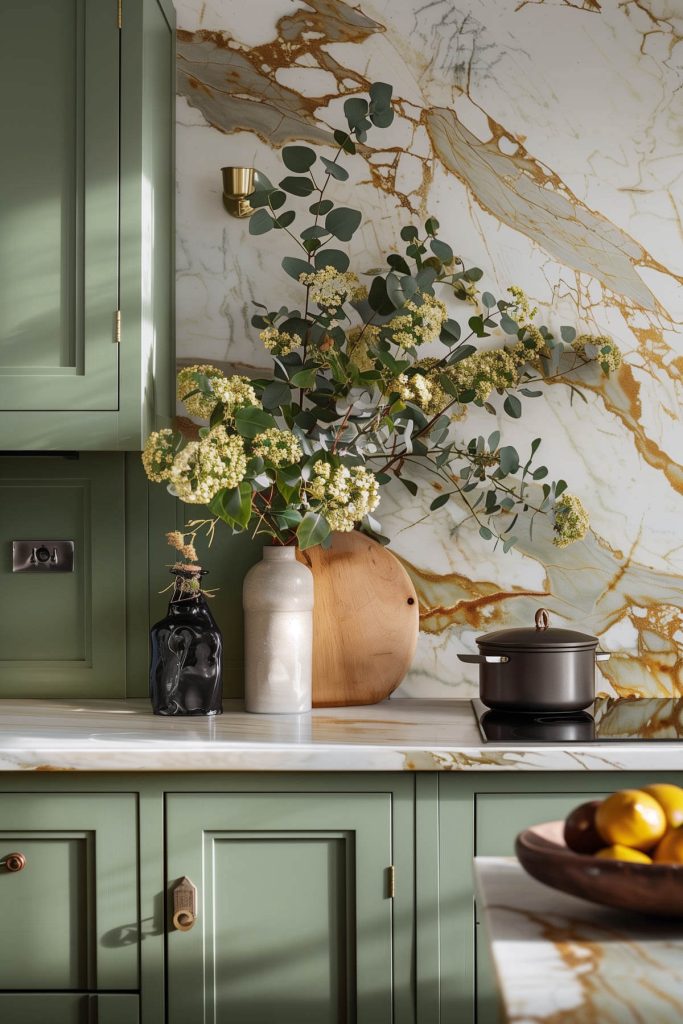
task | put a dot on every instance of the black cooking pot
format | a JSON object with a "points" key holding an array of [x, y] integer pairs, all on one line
{"points": [[541, 669]]}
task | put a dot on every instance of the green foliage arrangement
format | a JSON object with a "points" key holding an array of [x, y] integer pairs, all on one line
{"points": [[371, 384]]}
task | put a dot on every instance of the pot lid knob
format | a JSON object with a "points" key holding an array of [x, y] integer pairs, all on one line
{"points": [[542, 618]]}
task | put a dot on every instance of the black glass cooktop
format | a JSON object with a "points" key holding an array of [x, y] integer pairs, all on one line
{"points": [[607, 720]]}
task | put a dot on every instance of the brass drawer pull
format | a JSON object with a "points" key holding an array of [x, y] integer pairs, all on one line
{"points": [[184, 905], [15, 862]]}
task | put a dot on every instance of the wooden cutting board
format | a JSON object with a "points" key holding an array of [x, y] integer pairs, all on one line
{"points": [[365, 621]]}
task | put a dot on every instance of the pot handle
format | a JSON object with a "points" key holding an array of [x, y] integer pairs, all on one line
{"points": [[602, 656], [483, 659]]}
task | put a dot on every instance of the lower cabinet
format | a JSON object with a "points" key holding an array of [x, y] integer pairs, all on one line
{"points": [[68, 1008], [313, 898], [68, 893], [294, 907]]}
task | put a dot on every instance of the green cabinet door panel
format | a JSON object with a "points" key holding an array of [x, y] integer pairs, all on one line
{"points": [[59, 186], [72, 909], [68, 1008], [72, 1008], [63, 634], [295, 916], [86, 223]]}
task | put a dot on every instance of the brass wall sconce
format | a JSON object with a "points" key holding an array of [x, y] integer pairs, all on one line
{"points": [[238, 185]]}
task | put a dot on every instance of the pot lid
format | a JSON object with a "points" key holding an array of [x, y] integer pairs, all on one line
{"points": [[541, 637]]}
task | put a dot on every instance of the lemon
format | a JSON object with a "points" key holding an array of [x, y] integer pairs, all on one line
{"points": [[619, 852], [670, 799], [632, 818], [670, 849]]}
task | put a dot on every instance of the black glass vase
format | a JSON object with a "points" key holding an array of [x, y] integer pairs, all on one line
{"points": [[185, 676]]}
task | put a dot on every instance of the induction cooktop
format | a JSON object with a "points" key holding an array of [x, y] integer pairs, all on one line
{"points": [[607, 720]]}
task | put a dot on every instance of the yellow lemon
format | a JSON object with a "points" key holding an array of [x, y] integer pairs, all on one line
{"points": [[670, 849], [670, 799], [618, 852], [630, 817]]}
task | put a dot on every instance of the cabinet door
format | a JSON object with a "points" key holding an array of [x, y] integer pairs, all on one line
{"points": [[59, 186], [71, 911], [295, 914], [499, 817], [68, 1008]]}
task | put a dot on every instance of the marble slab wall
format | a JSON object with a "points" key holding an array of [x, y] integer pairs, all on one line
{"points": [[546, 137]]}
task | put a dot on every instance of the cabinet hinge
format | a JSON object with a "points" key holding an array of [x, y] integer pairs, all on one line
{"points": [[117, 327], [391, 881], [119, 13]]}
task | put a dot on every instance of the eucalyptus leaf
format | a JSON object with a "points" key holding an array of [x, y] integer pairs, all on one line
{"points": [[298, 158], [439, 502], [508, 459], [342, 222], [334, 170], [297, 186], [284, 220], [322, 207], [295, 267], [441, 250], [260, 222], [513, 407], [332, 258], [380, 95], [567, 334]]}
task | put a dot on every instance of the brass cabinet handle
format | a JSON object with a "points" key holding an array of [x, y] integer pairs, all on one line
{"points": [[15, 862], [184, 905]]}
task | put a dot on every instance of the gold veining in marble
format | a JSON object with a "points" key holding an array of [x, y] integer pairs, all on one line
{"points": [[606, 261]]}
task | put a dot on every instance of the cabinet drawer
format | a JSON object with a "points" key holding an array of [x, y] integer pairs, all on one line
{"points": [[295, 916], [72, 908], [68, 1008], [500, 816]]}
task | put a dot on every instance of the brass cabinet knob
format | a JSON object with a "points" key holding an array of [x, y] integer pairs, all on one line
{"points": [[184, 905], [15, 862]]}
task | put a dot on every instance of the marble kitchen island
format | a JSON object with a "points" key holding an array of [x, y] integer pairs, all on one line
{"points": [[564, 960]]}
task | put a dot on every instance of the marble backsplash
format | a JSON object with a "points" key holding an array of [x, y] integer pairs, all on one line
{"points": [[545, 135]]}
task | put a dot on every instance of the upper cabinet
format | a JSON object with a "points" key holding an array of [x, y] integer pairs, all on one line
{"points": [[86, 219]]}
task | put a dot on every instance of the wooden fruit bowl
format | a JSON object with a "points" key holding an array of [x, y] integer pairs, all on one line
{"points": [[655, 889]]}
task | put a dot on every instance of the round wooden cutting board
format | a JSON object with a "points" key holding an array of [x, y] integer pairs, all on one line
{"points": [[365, 621]]}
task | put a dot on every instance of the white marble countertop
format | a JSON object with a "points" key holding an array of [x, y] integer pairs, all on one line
{"points": [[397, 735], [563, 960]]}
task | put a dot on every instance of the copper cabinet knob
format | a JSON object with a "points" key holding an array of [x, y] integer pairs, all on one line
{"points": [[15, 862]]}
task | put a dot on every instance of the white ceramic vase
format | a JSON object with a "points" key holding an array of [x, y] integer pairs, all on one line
{"points": [[278, 633]]}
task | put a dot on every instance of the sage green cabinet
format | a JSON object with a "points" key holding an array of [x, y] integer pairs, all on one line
{"points": [[68, 1008], [86, 118], [295, 908], [64, 634], [70, 910]]}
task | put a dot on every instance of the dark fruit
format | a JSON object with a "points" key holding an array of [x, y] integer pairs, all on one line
{"points": [[580, 833]]}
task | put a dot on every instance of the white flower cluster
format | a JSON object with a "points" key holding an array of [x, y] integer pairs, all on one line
{"points": [[522, 310], [600, 348], [571, 520], [235, 392], [205, 467], [360, 343], [158, 453], [418, 324], [331, 288], [278, 447], [346, 494], [280, 343]]}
